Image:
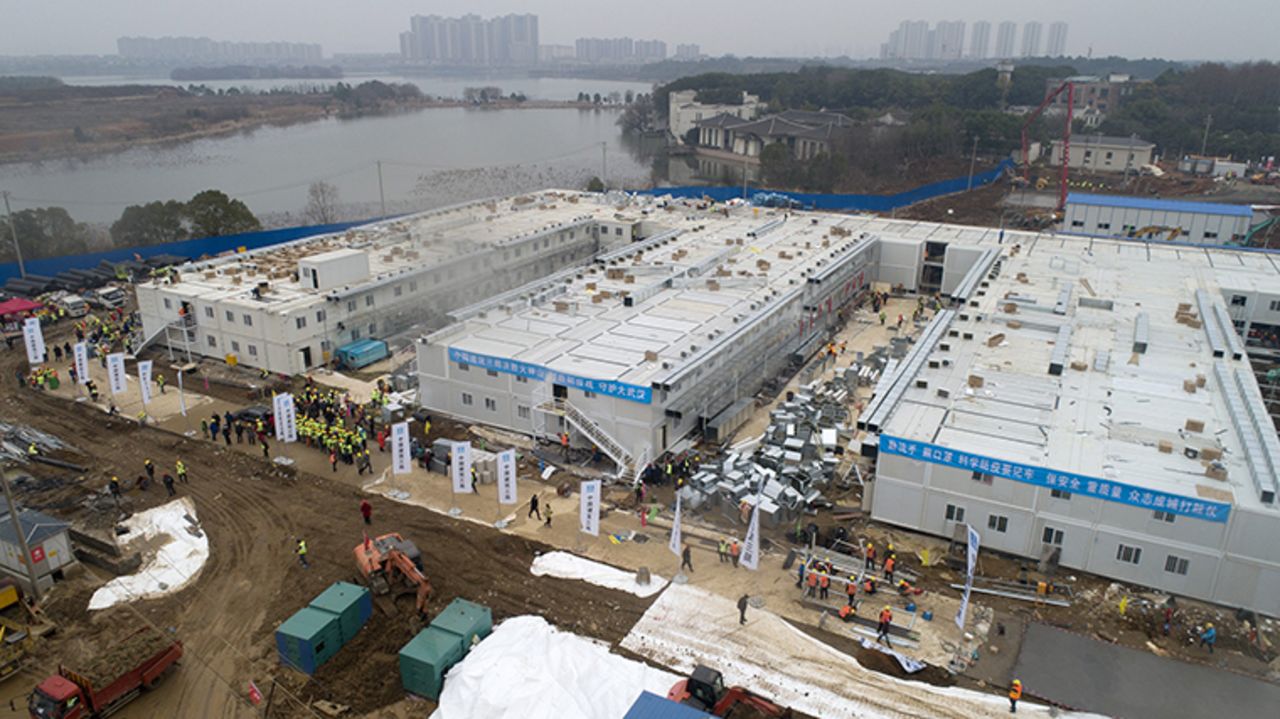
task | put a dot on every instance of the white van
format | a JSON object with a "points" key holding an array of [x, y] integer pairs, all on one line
{"points": [[74, 305], [108, 298]]}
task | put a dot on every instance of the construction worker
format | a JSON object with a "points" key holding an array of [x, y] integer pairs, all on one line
{"points": [[181, 471], [533, 507], [548, 520], [160, 382], [889, 563], [734, 551], [851, 588], [266, 449], [148, 465], [812, 583], [869, 586], [564, 444], [870, 554], [883, 317], [848, 612], [366, 511], [1209, 637], [742, 609], [33, 450], [686, 557], [114, 485], [886, 621], [168, 484], [722, 550], [905, 588], [824, 584], [302, 553], [1015, 693]]}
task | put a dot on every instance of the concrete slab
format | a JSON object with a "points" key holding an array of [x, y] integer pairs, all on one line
{"points": [[1084, 673]]}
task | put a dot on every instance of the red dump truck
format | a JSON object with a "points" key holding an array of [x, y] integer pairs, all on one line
{"points": [[113, 679]]}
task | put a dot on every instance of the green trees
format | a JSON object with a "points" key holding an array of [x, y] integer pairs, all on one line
{"points": [[209, 214], [43, 232]]}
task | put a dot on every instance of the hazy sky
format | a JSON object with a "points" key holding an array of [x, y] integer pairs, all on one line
{"points": [[1176, 29]]}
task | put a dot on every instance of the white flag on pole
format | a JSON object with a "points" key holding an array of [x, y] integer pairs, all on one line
{"points": [[751, 547], [144, 380], [589, 508], [974, 541], [82, 362], [674, 546], [115, 373], [461, 454], [285, 417], [182, 398], [400, 459], [33, 336], [507, 477]]}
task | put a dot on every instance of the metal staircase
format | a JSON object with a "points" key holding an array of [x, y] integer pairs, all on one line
{"points": [[628, 466]]}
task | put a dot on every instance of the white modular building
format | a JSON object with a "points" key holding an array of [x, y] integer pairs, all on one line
{"points": [[1208, 223]]}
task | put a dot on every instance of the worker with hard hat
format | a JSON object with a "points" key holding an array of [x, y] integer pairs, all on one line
{"points": [[1209, 637], [1015, 693]]}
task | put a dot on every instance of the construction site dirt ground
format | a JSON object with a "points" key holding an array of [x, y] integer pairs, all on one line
{"points": [[254, 511]]}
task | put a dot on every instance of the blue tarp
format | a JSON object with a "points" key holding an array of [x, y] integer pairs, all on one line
{"points": [[871, 203], [51, 266]]}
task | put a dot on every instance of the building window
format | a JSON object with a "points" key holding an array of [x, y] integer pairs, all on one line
{"points": [[413, 286], [167, 304], [1210, 235], [235, 346], [1275, 305], [248, 320], [253, 350], [1164, 516], [301, 322], [589, 395], [467, 399], [355, 334], [1130, 555], [490, 404], [1239, 300], [212, 342], [373, 328], [980, 477], [351, 305], [231, 316], [1104, 225], [1175, 565], [464, 367], [998, 523], [1077, 223], [1109, 155], [398, 291], [954, 513], [368, 300], [491, 372], [1052, 536], [619, 232], [522, 411], [320, 315], [522, 380], [1059, 494], [208, 312]]}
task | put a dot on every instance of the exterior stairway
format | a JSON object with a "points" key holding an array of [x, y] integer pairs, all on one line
{"points": [[629, 467]]}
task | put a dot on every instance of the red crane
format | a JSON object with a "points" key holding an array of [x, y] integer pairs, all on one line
{"points": [[1066, 138]]}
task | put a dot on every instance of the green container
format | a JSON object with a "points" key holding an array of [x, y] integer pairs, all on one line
{"points": [[308, 639], [467, 620], [426, 658], [53, 383], [351, 603]]}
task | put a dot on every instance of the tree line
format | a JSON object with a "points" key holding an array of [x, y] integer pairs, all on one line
{"points": [[52, 232]]}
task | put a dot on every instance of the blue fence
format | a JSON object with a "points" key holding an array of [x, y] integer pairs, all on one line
{"points": [[870, 203], [51, 266]]}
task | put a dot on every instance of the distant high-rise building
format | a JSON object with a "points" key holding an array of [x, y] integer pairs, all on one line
{"points": [[202, 49], [1031, 39], [1006, 33], [688, 51], [471, 40], [949, 37], [980, 40], [619, 49], [1057, 39], [651, 50]]}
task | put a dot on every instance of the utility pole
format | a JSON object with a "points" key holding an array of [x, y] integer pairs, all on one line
{"points": [[973, 161], [604, 165], [744, 178], [382, 197], [21, 534], [1204, 143], [22, 269]]}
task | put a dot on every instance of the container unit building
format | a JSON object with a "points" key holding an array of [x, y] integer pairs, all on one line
{"points": [[1205, 223], [1089, 404], [288, 307]]}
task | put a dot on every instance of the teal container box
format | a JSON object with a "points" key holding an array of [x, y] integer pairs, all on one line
{"points": [[425, 660], [308, 639], [351, 603], [469, 621]]}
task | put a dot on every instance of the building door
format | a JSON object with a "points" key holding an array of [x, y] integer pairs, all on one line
{"points": [[559, 391], [306, 357]]}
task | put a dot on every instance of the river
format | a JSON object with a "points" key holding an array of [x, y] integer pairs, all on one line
{"points": [[429, 158]]}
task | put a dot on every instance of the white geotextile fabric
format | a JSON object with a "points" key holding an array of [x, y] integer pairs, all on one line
{"points": [[571, 566], [527, 669], [175, 564]]}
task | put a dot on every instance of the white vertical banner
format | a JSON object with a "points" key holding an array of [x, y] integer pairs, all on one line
{"points": [[674, 546], [751, 546], [182, 398], [507, 477], [144, 380], [33, 336], [400, 455], [589, 508], [461, 467], [974, 541], [82, 362], [115, 373], [286, 417]]}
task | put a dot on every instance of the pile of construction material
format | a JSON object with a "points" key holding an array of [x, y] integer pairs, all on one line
{"points": [[795, 458]]}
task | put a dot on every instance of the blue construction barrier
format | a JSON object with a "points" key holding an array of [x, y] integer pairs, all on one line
{"points": [[870, 203], [51, 266]]}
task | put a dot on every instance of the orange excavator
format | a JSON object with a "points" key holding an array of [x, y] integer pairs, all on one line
{"points": [[392, 559], [704, 690]]}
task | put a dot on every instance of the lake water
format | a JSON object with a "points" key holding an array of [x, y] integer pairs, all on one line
{"points": [[430, 158]]}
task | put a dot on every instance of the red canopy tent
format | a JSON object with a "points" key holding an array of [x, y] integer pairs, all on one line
{"points": [[18, 306]]}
